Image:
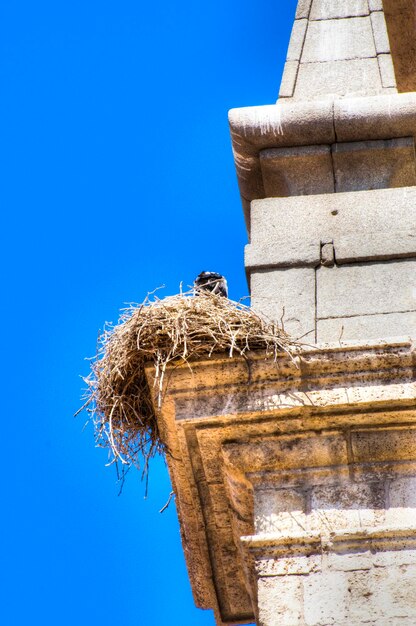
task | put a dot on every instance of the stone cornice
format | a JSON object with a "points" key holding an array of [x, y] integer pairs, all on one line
{"points": [[232, 423], [296, 123]]}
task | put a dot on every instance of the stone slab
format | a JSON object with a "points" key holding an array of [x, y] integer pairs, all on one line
{"points": [[385, 64], [375, 5], [303, 9], [337, 40], [297, 39], [374, 164], [328, 9], [287, 231], [287, 86], [287, 295], [381, 38], [297, 171], [369, 326], [366, 289], [356, 77], [378, 117], [380, 246]]}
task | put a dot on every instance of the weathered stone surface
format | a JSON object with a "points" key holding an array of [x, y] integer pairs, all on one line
{"points": [[375, 5], [370, 326], [374, 164], [287, 231], [379, 117], [296, 123], [385, 64], [302, 437], [366, 289], [381, 38], [281, 510], [296, 40], [337, 40], [287, 295], [303, 9], [401, 26], [328, 9], [287, 85], [356, 77], [297, 171]]}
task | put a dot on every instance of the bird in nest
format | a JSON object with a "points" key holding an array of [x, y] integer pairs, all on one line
{"points": [[211, 281]]}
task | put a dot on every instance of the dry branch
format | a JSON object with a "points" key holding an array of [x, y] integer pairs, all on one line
{"points": [[163, 331]]}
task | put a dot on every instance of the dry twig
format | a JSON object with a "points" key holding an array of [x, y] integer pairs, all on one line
{"points": [[179, 328]]}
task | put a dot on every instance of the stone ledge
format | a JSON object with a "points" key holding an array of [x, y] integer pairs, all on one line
{"points": [[294, 123], [211, 410], [318, 542]]}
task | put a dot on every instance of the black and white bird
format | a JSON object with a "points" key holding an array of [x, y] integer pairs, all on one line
{"points": [[211, 281]]}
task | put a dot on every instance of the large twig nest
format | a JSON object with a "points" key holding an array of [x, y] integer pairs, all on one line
{"points": [[162, 331]]}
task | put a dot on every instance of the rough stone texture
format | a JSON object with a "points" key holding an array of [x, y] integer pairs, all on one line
{"points": [[371, 326], [299, 123], [401, 26], [328, 9], [381, 38], [287, 295], [323, 493], [374, 164], [337, 40], [286, 231], [303, 9], [357, 77], [296, 40], [287, 86], [341, 597], [295, 483], [297, 171], [385, 64], [366, 289]]}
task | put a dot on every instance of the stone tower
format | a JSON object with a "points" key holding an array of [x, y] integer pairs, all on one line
{"points": [[296, 485]]}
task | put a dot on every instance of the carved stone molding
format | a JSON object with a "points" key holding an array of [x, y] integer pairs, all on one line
{"points": [[305, 455]]}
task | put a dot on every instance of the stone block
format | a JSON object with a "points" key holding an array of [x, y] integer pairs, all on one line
{"points": [[381, 38], [375, 5], [402, 504], [362, 165], [303, 9], [325, 598], [289, 231], [357, 77], [287, 86], [360, 247], [370, 446], [296, 40], [350, 562], [377, 117], [298, 171], [385, 64], [365, 289], [289, 566], [280, 600], [367, 326], [337, 40], [394, 559], [328, 9], [347, 506], [287, 295], [393, 594], [279, 510]]}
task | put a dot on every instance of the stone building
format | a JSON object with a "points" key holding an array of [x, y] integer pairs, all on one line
{"points": [[296, 485]]}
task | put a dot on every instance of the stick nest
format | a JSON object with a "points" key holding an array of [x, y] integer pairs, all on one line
{"points": [[175, 329]]}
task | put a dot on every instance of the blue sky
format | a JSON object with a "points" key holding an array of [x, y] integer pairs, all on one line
{"points": [[117, 177]]}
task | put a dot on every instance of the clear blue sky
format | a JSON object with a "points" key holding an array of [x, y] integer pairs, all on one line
{"points": [[117, 176]]}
